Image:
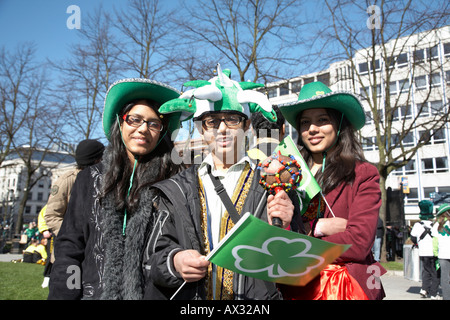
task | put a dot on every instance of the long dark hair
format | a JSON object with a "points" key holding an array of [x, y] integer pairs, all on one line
{"points": [[341, 161], [152, 167]]}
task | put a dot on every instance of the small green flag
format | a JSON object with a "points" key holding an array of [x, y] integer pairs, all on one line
{"points": [[259, 250], [309, 187]]}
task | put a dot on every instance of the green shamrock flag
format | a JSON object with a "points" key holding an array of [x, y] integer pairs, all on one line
{"points": [[257, 249], [309, 187]]}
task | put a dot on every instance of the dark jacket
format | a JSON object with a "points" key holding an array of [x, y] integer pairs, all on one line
{"points": [[178, 227], [93, 258]]}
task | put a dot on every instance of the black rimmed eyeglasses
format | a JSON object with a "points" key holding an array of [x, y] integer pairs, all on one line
{"points": [[137, 121], [214, 122]]}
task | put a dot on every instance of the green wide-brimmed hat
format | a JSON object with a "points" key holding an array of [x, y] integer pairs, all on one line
{"points": [[443, 208], [318, 95], [126, 90]]}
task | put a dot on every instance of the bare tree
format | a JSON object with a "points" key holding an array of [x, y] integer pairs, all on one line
{"points": [[145, 36], [30, 122], [15, 88], [257, 37], [86, 77], [376, 51]]}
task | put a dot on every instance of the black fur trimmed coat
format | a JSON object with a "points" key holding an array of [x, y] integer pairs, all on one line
{"points": [[93, 258]]}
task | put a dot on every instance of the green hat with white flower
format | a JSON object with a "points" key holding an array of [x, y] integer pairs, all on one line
{"points": [[220, 94]]}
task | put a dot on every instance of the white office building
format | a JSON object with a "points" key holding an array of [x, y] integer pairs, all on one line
{"points": [[13, 174], [419, 87]]}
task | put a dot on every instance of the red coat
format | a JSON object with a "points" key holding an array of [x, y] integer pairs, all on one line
{"points": [[359, 203]]}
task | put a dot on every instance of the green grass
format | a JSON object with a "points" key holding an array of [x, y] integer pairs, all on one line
{"points": [[22, 281], [393, 265]]}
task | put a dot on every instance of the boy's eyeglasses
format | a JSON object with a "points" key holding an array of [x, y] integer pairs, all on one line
{"points": [[137, 121], [214, 123]]}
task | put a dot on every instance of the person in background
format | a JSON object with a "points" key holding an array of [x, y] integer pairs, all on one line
{"points": [[32, 232], [376, 249], [88, 152], [46, 234], [268, 134], [36, 252], [109, 214], [350, 192], [422, 236], [441, 232]]}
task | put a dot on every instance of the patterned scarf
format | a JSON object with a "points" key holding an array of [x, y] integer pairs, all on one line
{"points": [[224, 277]]}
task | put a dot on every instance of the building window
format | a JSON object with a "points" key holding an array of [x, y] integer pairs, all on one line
{"points": [[432, 136], [429, 192], [324, 78], [296, 86], [421, 82], [369, 119], [436, 106], [435, 165], [402, 60], [272, 93], [447, 48], [364, 92], [435, 79], [407, 141], [406, 112], [412, 196], [393, 87], [418, 55], [363, 68], [369, 143], [433, 52], [404, 85], [429, 108], [308, 80], [408, 169], [284, 89]]}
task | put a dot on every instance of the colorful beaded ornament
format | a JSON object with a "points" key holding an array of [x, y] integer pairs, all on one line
{"points": [[279, 172]]}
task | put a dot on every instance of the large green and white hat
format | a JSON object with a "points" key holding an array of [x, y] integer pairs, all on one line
{"points": [[220, 94], [318, 95], [126, 90]]}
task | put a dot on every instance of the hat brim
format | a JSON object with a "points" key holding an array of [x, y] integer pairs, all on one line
{"points": [[443, 208], [345, 102], [124, 91]]}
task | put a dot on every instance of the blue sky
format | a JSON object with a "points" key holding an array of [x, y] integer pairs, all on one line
{"points": [[44, 22]]}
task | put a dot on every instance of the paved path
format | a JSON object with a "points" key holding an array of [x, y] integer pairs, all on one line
{"points": [[398, 287]]}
